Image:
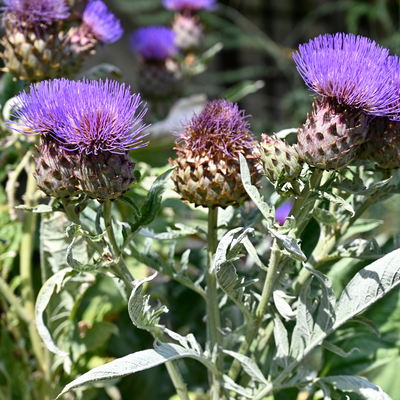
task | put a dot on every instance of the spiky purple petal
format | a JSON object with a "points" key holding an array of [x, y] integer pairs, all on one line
{"points": [[220, 124], [351, 69], [88, 116], [101, 22], [35, 12], [154, 42], [189, 5]]}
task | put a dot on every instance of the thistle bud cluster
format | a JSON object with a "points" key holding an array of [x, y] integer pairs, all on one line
{"points": [[46, 39], [87, 129]]}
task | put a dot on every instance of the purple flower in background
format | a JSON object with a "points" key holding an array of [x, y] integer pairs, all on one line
{"points": [[154, 42], [35, 12], [101, 22], [88, 116], [220, 126], [282, 212], [189, 5], [353, 70]]}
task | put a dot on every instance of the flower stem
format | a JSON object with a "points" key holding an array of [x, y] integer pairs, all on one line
{"points": [[261, 309], [27, 291], [213, 317]]}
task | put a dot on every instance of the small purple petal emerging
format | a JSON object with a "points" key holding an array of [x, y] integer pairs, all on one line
{"points": [[353, 70], [101, 22], [154, 42], [35, 12], [88, 116], [219, 126], [282, 212], [189, 5]]}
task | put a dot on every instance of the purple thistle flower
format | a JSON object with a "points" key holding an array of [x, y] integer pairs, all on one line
{"points": [[101, 22], [283, 211], [220, 126], [87, 116], [35, 12], [189, 5], [354, 71], [154, 42]]}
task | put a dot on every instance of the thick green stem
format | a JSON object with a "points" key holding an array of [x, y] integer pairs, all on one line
{"points": [[261, 309], [177, 380], [27, 291], [213, 317]]}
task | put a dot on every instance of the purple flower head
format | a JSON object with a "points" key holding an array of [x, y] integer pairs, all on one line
{"points": [[189, 5], [101, 22], [154, 42], [88, 116], [353, 70], [282, 212], [220, 127], [36, 12]]}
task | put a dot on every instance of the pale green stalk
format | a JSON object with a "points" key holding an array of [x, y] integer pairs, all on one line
{"points": [[269, 284], [213, 317]]}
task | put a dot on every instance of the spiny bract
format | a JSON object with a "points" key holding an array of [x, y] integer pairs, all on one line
{"points": [[207, 169]]}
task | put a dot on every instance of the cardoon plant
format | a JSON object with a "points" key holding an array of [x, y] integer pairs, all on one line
{"points": [[160, 75], [87, 129], [356, 81], [186, 24]]}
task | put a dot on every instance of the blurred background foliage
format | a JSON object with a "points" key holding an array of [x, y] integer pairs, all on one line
{"points": [[256, 69]]}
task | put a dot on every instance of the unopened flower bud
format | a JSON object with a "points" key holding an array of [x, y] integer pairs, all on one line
{"points": [[207, 169]]}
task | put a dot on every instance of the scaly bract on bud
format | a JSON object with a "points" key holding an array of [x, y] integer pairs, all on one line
{"points": [[280, 161], [207, 169]]}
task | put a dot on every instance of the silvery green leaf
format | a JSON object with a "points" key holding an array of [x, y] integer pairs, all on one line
{"points": [[282, 306], [231, 385], [139, 361], [220, 256], [361, 226], [281, 342], [335, 199], [140, 311], [359, 248], [75, 264], [324, 217], [188, 341], [337, 350], [326, 308], [253, 253], [365, 321], [253, 192], [358, 188], [284, 133], [288, 243], [130, 203], [39, 209], [182, 231], [249, 366], [152, 203], [242, 89], [369, 284], [303, 329], [325, 389], [353, 384], [42, 301]]}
